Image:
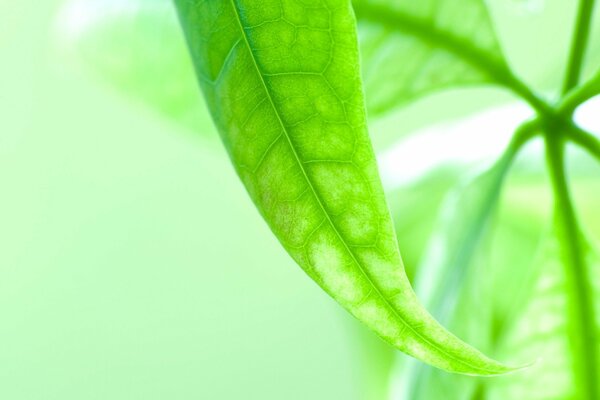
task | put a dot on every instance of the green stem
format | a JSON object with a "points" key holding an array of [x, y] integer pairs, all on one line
{"points": [[579, 96], [579, 45], [580, 294], [585, 140]]}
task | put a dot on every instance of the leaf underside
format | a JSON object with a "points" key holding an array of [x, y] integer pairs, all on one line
{"points": [[424, 46], [282, 81]]}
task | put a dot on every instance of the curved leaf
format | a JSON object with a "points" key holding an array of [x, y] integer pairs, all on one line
{"points": [[282, 81], [463, 223], [424, 46]]}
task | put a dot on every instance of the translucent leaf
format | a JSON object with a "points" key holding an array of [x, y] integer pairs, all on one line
{"points": [[282, 81], [450, 276], [549, 328], [425, 46]]}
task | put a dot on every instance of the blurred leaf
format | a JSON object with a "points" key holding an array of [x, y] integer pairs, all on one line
{"points": [[482, 309], [508, 287], [425, 46], [137, 46], [415, 208], [546, 327], [451, 272], [283, 84], [465, 218]]}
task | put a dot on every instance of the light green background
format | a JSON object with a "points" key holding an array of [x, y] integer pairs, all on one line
{"points": [[133, 266]]}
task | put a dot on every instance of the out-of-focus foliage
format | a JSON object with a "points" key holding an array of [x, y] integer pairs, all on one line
{"points": [[425, 46], [459, 287], [497, 304], [541, 330], [119, 279], [137, 46]]}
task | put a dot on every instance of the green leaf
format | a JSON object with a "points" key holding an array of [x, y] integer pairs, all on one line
{"points": [[414, 209], [549, 328], [425, 46], [136, 45], [282, 81], [465, 219]]}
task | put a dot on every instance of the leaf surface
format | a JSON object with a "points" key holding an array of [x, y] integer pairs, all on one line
{"points": [[282, 81], [548, 329], [425, 46], [464, 220]]}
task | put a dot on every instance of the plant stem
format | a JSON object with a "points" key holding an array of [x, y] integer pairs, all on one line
{"points": [[579, 44], [579, 96], [580, 294], [585, 139]]}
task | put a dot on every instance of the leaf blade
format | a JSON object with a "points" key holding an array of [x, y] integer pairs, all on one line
{"points": [[548, 328], [456, 45], [291, 73]]}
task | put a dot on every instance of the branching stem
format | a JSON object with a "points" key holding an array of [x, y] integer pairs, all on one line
{"points": [[584, 139], [579, 95]]}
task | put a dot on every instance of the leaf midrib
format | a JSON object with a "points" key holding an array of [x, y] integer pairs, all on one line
{"points": [[320, 200]]}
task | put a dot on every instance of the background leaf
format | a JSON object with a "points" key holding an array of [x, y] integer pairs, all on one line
{"points": [[543, 330], [424, 46], [514, 258], [450, 275], [137, 46]]}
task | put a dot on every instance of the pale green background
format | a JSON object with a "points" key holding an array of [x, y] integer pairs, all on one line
{"points": [[133, 266]]}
